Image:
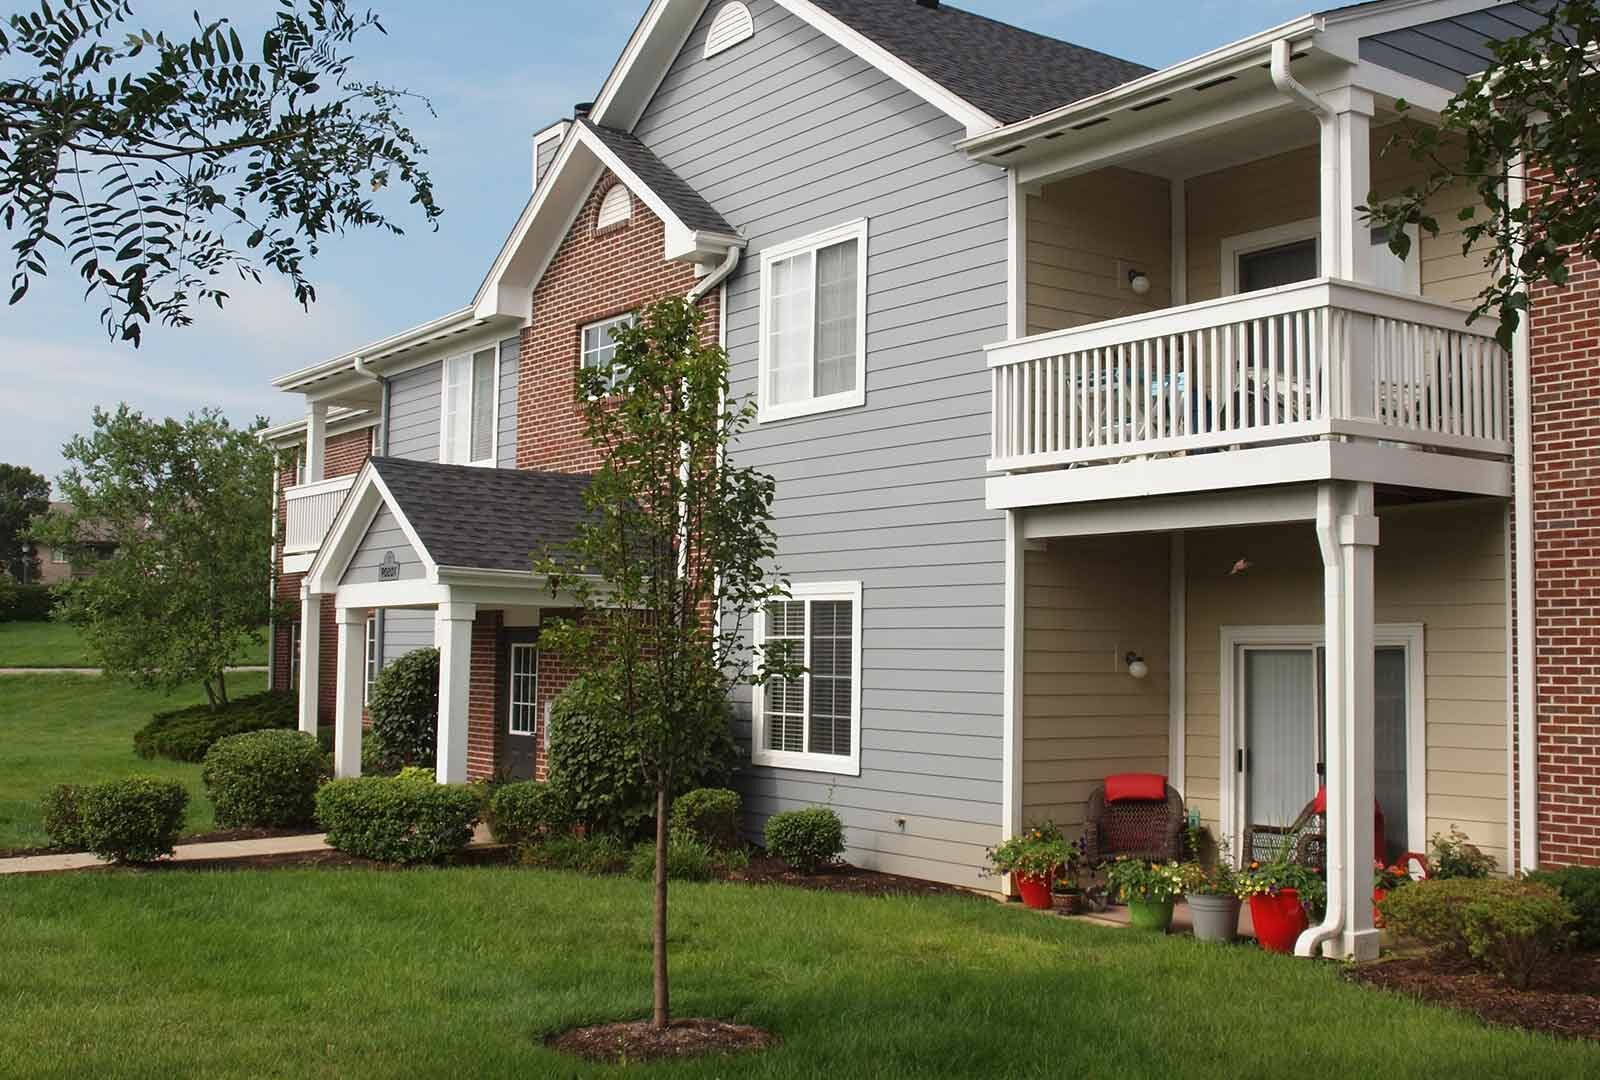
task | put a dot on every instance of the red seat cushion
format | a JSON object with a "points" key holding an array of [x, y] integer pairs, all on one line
{"points": [[1319, 805], [1135, 785]]}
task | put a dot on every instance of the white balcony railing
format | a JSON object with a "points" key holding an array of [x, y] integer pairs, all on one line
{"points": [[1322, 357], [310, 512]]}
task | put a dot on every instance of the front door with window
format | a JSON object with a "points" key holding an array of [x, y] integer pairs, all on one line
{"points": [[521, 726]]}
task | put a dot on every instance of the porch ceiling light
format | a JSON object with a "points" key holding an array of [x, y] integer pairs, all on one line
{"points": [[1139, 282], [1136, 665]]}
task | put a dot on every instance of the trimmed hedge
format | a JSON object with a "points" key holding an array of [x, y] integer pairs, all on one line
{"points": [[1512, 928], [522, 812], [806, 839], [710, 815], [133, 820], [399, 821], [27, 603], [263, 778], [1580, 885], [187, 734]]}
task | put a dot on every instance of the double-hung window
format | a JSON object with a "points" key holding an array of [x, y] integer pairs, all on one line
{"points": [[811, 721], [600, 347], [470, 391], [813, 323]]}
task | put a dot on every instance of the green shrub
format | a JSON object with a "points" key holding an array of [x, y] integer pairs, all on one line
{"points": [[187, 734], [136, 819], [710, 815], [688, 859], [263, 778], [595, 853], [418, 774], [523, 812], [8, 596], [26, 603], [62, 818], [1580, 885], [806, 839], [404, 707], [1452, 855], [398, 821], [1517, 934]]}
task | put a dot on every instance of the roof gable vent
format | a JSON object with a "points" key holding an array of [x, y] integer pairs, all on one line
{"points": [[732, 25], [615, 209]]}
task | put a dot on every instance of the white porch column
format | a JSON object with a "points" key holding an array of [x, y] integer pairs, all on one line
{"points": [[316, 442], [310, 659], [351, 682], [452, 633], [1011, 694], [1346, 182], [1358, 536]]}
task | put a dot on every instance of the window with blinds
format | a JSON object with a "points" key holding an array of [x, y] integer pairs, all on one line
{"points": [[813, 323], [523, 693], [469, 408], [813, 720]]}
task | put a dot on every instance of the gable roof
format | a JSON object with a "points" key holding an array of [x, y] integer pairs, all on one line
{"points": [[1008, 72], [685, 202]]}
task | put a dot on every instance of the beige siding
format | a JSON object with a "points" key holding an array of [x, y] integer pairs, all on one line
{"points": [[1082, 232], [1088, 601], [1443, 567]]}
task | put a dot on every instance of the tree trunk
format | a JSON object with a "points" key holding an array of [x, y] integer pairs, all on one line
{"points": [[211, 693], [222, 686], [662, 1012]]}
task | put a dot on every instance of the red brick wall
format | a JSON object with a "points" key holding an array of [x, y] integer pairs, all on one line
{"points": [[482, 716], [592, 277], [1565, 368]]}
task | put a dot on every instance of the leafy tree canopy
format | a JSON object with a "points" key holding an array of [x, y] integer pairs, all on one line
{"points": [[158, 167], [24, 495]]}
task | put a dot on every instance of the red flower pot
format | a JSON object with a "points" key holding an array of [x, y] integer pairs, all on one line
{"points": [[1035, 891], [1278, 920], [1377, 898]]}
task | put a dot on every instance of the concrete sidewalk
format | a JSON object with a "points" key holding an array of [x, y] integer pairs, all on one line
{"points": [[211, 852], [96, 671]]}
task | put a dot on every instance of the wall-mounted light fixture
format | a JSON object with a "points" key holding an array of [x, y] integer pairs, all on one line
{"points": [[1136, 665], [1139, 282]]}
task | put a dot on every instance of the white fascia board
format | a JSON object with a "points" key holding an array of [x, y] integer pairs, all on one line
{"points": [[367, 496], [339, 421], [443, 325]]}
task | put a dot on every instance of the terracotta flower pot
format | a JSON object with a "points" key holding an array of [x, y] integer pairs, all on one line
{"points": [[1150, 914], [1035, 890], [1278, 920]]}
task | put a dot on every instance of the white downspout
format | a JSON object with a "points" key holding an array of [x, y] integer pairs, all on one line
{"points": [[717, 276], [1288, 85], [1522, 493], [720, 273]]}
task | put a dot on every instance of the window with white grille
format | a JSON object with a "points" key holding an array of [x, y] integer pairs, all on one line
{"points": [[294, 656], [615, 209], [811, 721], [373, 660], [600, 346], [733, 24], [813, 323], [524, 691], [471, 383]]}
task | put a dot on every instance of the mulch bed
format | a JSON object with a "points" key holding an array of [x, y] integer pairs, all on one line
{"points": [[636, 1040], [1567, 1005], [766, 870]]}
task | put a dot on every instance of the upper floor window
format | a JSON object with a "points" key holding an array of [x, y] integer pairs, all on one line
{"points": [[600, 343], [813, 323], [470, 392], [615, 209]]}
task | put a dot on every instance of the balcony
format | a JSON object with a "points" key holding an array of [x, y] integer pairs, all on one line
{"points": [[1309, 361], [310, 510]]}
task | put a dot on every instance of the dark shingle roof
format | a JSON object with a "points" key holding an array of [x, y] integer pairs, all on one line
{"points": [[1009, 73], [485, 519], [684, 200]]}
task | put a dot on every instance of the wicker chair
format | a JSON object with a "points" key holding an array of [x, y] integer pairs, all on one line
{"points": [[1263, 843], [1139, 828]]}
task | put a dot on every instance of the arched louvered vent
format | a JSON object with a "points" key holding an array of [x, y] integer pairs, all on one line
{"points": [[615, 209], [732, 25]]}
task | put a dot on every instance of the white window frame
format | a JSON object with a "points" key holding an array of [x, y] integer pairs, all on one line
{"points": [[852, 230], [1261, 240], [370, 660], [842, 764], [627, 318], [494, 413], [59, 557], [1237, 639], [294, 655], [511, 688]]}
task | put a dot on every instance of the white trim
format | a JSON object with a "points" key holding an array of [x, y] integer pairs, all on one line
{"points": [[1177, 670], [732, 25], [1231, 247], [627, 318], [1016, 256], [372, 658], [856, 230], [471, 358], [511, 687], [362, 504], [1527, 689], [1012, 735], [1179, 194], [1409, 636], [843, 764]]}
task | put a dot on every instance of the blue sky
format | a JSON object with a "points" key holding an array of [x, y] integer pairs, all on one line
{"points": [[496, 71]]}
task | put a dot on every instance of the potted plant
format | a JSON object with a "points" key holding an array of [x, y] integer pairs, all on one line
{"points": [[1283, 897], [1147, 888], [1212, 893], [1067, 891], [1033, 857]]}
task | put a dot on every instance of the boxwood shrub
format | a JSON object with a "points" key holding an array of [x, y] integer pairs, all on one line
{"points": [[187, 734], [710, 815], [395, 820], [1580, 885], [806, 839], [61, 818], [520, 812], [1517, 934], [263, 778], [133, 820]]}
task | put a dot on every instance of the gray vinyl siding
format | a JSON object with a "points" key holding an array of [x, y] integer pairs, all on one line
{"points": [[383, 536], [405, 630], [510, 366], [1447, 52], [787, 135], [414, 404]]}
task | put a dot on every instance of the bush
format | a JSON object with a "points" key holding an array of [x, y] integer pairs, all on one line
{"points": [[8, 596], [523, 812], [1580, 886], [710, 815], [263, 778], [596, 853], [806, 839], [63, 823], [137, 819], [25, 603], [1516, 935], [1454, 856], [399, 821], [404, 707], [188, 734]]}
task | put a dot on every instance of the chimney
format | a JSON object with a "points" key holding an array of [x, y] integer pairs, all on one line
{"points": [[582, 109], [931, 5]]}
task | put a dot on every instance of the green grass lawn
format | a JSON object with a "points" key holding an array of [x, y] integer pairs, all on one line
{"points": [[53, 644], [462, 972], [67, 729]]}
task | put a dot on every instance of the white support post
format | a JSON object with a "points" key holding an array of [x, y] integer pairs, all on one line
{"points": [[316, 442], [351, 681], [452, 633], [1180, 245], [310, 660], [1011, 752], [1358, 536], [1177, 652]]}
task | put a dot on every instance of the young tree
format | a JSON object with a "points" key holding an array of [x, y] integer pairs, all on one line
{"points": [[188, 505], [1533, 116], [678, 534], [158, 165], [24, 495]]}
